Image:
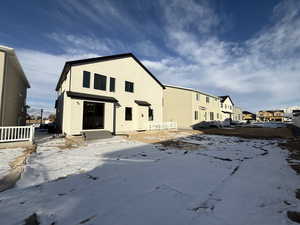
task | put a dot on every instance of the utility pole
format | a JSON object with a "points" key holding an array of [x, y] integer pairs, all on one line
{"points": [[41, 116]]}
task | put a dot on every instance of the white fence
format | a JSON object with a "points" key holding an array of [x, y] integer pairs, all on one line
{"points": [[20, 133], [163, 126]]}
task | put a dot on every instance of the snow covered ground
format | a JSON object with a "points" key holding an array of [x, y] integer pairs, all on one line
{"points": [[7, 156], [224, 180]]}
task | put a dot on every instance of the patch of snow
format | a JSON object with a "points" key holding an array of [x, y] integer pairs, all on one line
{"points": [[231, 181], [7, 156]]}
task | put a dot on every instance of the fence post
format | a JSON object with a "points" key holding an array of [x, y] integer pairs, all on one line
{"points": [[31, 133]]}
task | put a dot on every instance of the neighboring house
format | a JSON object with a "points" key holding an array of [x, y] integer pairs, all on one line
{"points": [[227, 106], [248, 116], [115, 93], [189, 107], [271, 115], [13, 89], [296, 117], [237, 114]]}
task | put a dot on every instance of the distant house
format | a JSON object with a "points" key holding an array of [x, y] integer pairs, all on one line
{"points": [[271, 115], [13, 89], [227, 107], [189, 107], [114, 93], [237, 114], [296, 117], [248, 116]]}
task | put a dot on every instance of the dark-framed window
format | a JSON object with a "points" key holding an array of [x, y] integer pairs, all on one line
{"points": [[129, 86], [100, 82], [128, 113], [86, 79], [112, 84], [207, 99], [196, 115], [150, 114], [197, 96], [211, 116]]}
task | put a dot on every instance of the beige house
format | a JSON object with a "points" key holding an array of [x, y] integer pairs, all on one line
{"points": [[114, 93], [237, 114], [189, 107], [13, 89]]}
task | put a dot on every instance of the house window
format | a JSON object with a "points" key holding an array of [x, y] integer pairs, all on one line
{"points": [[221, 105], [86, 79], [100, 82], [150, 114], [211, 115], [196, 115], [205, 115], [207, 99], [129, 86], [217, 115], [112, 84], [128, 113], [197, 97]]}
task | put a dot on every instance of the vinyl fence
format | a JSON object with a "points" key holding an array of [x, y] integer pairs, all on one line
{"points": [[163, 126], [19, 133]]}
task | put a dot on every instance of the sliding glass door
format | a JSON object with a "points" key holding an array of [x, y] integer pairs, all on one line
{"points": [[93, 115]]}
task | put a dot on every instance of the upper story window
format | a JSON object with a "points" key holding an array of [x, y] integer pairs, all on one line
{"points": [[197, 97], [129, 86], [100, 82], [221, 105], [207, 99], [86, 79], [112, 84], [196, 115], [150, 114]]}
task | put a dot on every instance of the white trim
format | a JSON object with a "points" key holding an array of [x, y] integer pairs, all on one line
{"points": [[18, 133]]}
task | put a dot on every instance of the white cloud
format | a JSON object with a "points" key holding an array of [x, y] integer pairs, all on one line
{"points": [[260, 73], [263, 72], [43, 71]]}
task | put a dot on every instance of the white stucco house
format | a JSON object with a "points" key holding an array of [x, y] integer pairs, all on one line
{"points": [[114, 93]]}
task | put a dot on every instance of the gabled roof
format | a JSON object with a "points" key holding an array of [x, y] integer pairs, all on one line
{"points": [[190, 89], [69, 64], [247, 112], [224, 97], [11, 53]]}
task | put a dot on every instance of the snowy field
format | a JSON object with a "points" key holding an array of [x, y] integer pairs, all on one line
{"points": [[222, 181], [7, 156]]}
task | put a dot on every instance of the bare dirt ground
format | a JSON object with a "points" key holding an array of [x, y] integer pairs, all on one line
{"points": [[246, 132]]}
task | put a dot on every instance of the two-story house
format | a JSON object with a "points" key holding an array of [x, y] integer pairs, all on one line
{"points": [[189, 107], [115, 93], [227, 107], [13, 89]]}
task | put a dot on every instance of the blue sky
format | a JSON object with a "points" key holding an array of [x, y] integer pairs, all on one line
{"points": [[249, 50]]}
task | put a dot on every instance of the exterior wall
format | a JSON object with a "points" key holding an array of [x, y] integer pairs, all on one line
{"points": [[227, 109], [297, 121], [237, 114], [124, 69], [177, 107], [2, 68], [180, 106], [14, 96]]}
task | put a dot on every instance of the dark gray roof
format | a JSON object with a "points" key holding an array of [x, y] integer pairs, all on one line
{"points": [[90, 97], [142, 103]]}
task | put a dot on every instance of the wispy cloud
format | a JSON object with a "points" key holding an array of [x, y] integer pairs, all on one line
{"points": [[262, 72]]}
